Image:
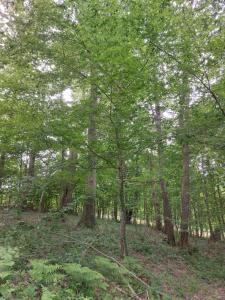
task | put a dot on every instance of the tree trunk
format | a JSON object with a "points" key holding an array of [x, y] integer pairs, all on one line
{"points": [[123, 243], [67, 193], [42, 207], [185, 182], [167, 214], [115, 209], [88, 216], [146, 211], [2, 168], [196, 221], [185, 198], [222, 210], [206, 199], [155, 199], [158, 223], [129, 213], [29, 171], [31, 164]]}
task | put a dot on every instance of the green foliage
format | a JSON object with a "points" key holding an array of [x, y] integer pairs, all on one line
{"points": [[110, 269], [210, 269], [7, 261], [171, 273], [8, 256], [83, 277], [45, 273], [78, 279], [46, 294]]}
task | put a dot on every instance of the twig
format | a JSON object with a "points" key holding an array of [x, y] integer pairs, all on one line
{"points": [[113, 259], [133, 292]]}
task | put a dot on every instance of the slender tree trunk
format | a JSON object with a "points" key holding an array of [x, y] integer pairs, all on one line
{"points": [[115, 209], [42, 207], [206, 199], [217, 202], [221, 205], [167, 214], [168, 224], [29, 173], [158, 222], [185, 182], [155, 198], [67, 193], [2, 168], [185, 198], [146, 211], [88, 216], [123, 243], [196, 221]]}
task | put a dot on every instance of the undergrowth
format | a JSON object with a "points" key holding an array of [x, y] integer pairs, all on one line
{"points": [[52, 259]]}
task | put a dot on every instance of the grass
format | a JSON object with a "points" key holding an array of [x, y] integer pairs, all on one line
{"points": [[171, 273]]}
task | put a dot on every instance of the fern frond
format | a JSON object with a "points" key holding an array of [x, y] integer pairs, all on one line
{"points": [[44, 272], [46, 294]]}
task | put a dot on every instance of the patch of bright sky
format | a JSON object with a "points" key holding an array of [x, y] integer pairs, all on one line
{"points": [[67, 95]]}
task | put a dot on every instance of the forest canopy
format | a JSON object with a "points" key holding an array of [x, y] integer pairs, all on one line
{"points": [[115, 110]]}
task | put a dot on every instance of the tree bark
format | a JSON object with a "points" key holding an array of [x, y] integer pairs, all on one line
{"points": [[31, 164], [167, 214], [88, 216]]}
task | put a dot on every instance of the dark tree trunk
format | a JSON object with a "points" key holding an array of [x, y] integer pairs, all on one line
{"points": [[66, 196], [67, 193], [167, 214], [88, 216], [115, 209], [158, 222], [129, 213]]}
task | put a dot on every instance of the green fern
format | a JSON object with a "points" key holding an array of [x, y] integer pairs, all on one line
{"points": [[80, 279], [83, 276], [47, 294], [45, 273], [7, 261], [110, 269], [7, 258]]}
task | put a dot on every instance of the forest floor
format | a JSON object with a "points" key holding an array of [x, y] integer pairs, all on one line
{"points": [[156, 270]]}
